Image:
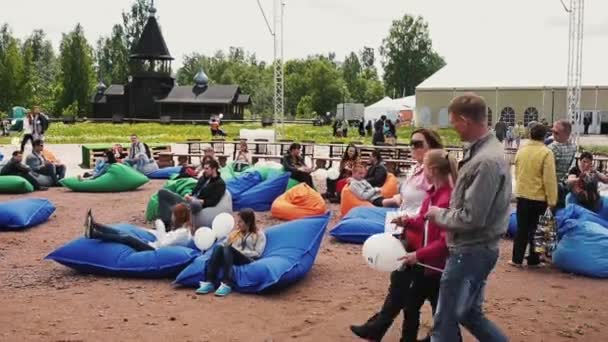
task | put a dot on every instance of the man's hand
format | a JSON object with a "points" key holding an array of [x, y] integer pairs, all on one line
{"points": [[409, 259], [188, 198], [433, 213]]}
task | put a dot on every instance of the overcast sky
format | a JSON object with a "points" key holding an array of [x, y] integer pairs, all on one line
{"points": [[459, 29]]}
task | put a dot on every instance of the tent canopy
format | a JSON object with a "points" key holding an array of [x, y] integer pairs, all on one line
{"points": [[389, 107]]}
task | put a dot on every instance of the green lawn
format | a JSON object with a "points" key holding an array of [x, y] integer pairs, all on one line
{"points": [[82, 133]]}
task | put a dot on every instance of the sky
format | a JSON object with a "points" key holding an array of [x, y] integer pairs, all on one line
{"points": [[461, 30]]}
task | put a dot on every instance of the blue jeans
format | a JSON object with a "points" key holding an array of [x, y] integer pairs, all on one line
{"points": [[138, 163], [461, 296]]}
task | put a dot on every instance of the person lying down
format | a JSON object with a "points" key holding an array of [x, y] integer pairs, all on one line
{"points": [[181, 235], [361, 188]]}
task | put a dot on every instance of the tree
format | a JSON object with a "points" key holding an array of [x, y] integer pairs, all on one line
{"points": [[12, 75], [408, 56], [112, 57], [133, 22], [41, 70], [77, 76]]}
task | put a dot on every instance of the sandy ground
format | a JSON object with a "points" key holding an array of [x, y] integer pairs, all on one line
{"points": [[44, 301]]}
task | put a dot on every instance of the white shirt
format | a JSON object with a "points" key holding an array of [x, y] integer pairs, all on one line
{"points": [[177, 237], [27, 126], [413, 192]]}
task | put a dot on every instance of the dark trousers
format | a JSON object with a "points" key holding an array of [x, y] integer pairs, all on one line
{"points": [[222, 259], [423, 288], [394, 303], [107, 233], [60, 171], [25, 139], [528, 212], [331, 186], [302, 177], [51, 171], [378, 202], [166, 201]]}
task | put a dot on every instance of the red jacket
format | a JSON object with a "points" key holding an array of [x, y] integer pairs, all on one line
{"points": [[435, 251]]}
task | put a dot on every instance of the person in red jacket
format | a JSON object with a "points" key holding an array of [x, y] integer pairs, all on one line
{"points": [[427, 252]]}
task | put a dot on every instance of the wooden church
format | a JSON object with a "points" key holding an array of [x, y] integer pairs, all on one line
{"points": [[152, 93]]}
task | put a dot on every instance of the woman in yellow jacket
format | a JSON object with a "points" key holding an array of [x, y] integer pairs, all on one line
{"points": [[536, 188]]}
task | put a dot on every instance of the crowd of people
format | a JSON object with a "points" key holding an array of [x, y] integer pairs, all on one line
{"points": [[383, 131], [452, 214]]}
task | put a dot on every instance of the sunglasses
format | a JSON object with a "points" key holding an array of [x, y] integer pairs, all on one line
{"points": [[416, 144]]}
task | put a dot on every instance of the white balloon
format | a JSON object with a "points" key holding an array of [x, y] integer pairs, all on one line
{"points": [[382, 251], [204, 238], [222, 225], [333, 174], [221, 116]]}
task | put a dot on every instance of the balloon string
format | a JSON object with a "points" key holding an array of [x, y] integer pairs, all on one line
{"points": [[430, 267]]}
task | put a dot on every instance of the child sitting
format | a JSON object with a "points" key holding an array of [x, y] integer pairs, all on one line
{"points": [[244, 245], [361, 188]]}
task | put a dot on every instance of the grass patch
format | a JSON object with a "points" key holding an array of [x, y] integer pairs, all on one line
{"points": [[88, 133]]}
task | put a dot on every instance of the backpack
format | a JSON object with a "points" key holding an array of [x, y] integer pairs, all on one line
{"points": [[44, 122], [148, 153]]}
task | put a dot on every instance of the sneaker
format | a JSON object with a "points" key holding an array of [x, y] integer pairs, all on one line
{"points": [[223, 290], [88, 224], [205, 287]]}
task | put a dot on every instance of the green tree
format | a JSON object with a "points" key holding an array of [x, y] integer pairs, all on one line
{"points": [[327, 88], [112, 57], [305, 109], [41, 70], [77, 76], [134, 20], [408, 56], [12, 71]]}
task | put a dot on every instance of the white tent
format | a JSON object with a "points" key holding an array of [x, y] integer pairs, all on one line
{"points": [[386, 106], [408, 102]]}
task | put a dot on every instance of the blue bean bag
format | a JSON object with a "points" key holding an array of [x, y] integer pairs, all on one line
{"points": [[261, 196], [290, 252], [576, 212], [25, 213], [602, 211], [115, 259], [582, 249], [512, 229], [164, 173], [360, 223], [238, 185]]}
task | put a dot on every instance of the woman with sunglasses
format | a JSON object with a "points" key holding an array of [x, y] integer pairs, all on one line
{"points": [[413, 190]]}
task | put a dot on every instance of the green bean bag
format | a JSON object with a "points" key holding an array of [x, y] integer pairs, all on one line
{"points": [[14, 185], [182, 186], [292, 182], [118, 178]]}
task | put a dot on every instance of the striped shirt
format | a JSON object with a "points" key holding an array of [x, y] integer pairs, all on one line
{"points": [[564, 158]]}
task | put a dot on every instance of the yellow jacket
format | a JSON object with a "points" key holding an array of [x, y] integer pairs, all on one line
{"points": [[535, 173]]}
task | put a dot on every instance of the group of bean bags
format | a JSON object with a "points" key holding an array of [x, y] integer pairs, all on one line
{"points": [[582, 242], [118, 178], [255, 191], [290, 252], [360, 223], [349, 200], [25, 213]]}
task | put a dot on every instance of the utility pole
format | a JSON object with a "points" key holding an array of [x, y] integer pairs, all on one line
{"points": [[276, 31], [576, 13]]}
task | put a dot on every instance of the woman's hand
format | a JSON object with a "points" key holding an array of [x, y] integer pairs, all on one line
{"points": [[400, 221], [409, 259]]}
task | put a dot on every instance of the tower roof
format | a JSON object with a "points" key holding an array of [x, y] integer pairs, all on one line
{"points": [[151, 44]]}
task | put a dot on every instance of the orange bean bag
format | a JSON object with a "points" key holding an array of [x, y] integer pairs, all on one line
{"points": [[348, 200], [298, 202]]}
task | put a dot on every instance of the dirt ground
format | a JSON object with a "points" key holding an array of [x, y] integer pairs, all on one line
{"points": [[42, 300]]}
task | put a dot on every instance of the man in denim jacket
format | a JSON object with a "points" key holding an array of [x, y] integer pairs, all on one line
{"points": [[477, 217]]}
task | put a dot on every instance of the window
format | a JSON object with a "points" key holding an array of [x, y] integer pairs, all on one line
{"points": [[508, 115], [489, 117], [531, 114]]}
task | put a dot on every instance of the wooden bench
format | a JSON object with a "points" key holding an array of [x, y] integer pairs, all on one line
{"points": [[91, 152], [168, 157]]}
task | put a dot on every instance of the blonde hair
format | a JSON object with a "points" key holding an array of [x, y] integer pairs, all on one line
{"points": [[443, 162]]}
